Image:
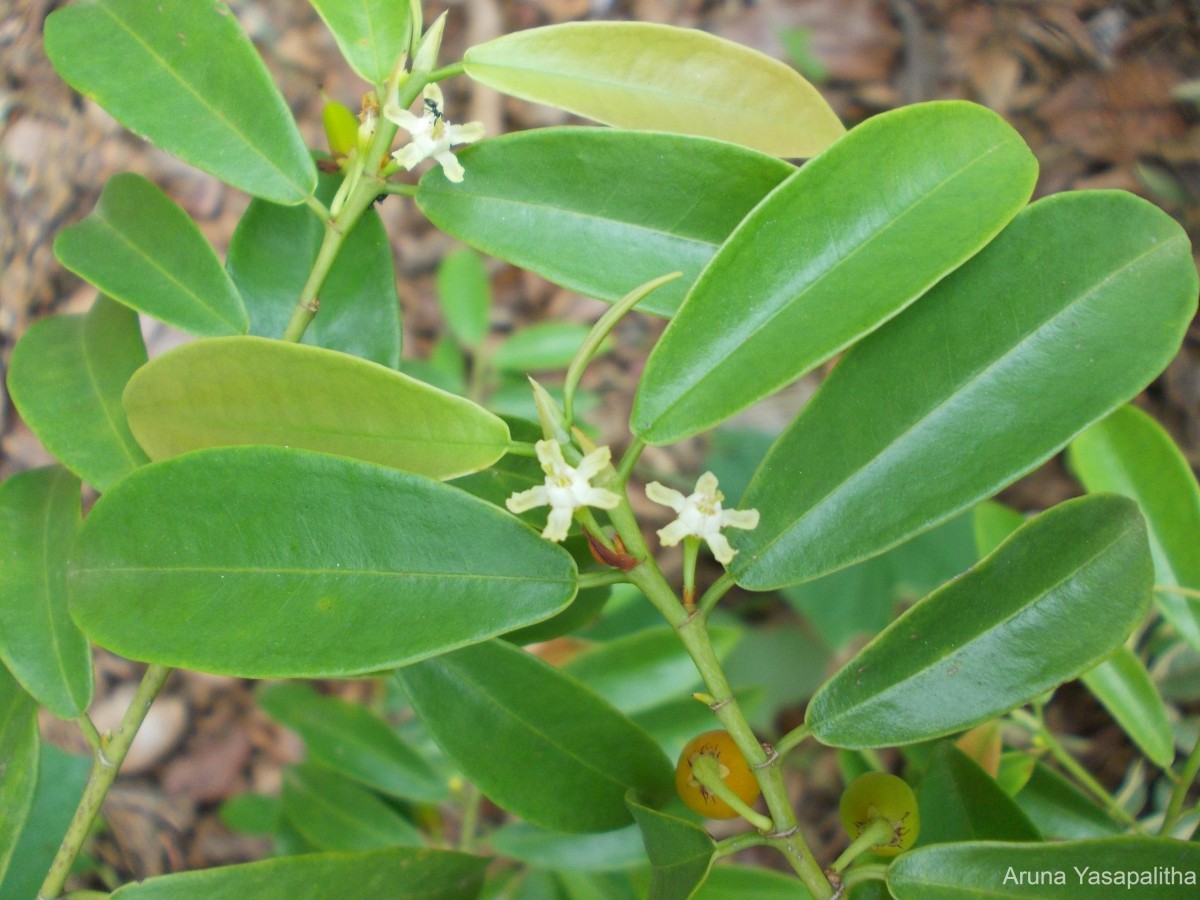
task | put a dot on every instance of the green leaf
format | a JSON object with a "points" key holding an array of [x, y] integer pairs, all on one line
{"points": [[952, 661], [39, 517], [372, 34], [994, 522], [680, 851], [1060, 810], [66, 376], [1132, 867], [252, 813], [333, 812], [561, 202], [259, 391], [465, 294], [183, 75], [1088, 292], [354, 741], [18, 764], [534, 740], [1125, 688], [603, 851], [401, 873], [546, 345], [660, 78], [839, 248], [271, 254], [961, 802], [264, 562], [748, 883], [140, 248], [1129, 453]]}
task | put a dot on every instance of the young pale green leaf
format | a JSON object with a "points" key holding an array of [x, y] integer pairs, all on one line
{"points": [[140, 248], [1060, 810], [1129, 453], [372, 34], [961, 802], [992, 639], [66, 376], [839, 248], [18, 763], [332, 812], [536, 742], [465, 295], [401, 873], [561, 202], [354, 741], [1090, 291], [185, 76], [39, 516], [1131, 867], [661, 78], [546, 345], [1125, 688], [681, 852], [265, 562], [259, 391], [271, 254], [994, 522], [603, 851]]}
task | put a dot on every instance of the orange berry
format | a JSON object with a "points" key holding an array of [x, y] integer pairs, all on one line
{"points": [[735, 773]]}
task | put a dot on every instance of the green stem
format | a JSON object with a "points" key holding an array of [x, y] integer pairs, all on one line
{"points": [[521, 448], [792, 739], [859, 874], [738, 843], [877, 833], [1175, 589], [1179, 793], [104, 772], [90, 733], [691, 550], [715, 592], [601, 579], [445, 72], [473, 799], [629, 460], [399, 187]]}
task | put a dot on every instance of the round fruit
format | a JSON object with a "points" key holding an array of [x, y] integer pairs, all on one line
{"points": [[878, 795], [735, 773]]}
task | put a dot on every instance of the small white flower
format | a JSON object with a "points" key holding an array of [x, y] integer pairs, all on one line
{"points": [[432, 135], [566, 488], [701, 516]]}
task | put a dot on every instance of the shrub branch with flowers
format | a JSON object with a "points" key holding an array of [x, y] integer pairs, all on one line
{"points": [[280, 499]]}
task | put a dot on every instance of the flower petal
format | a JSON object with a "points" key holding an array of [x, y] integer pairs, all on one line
{"points": [[707, 484], [550, 455], [558, 524], [740, 518], [599, 498], [523, 501], [592, 464], [665, 496], [720, 548], [673, 533], [451, 167], [467, 133]]}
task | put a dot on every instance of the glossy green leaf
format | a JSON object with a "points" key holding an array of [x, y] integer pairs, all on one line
{"points": [[546, 345], [994, 522], [39, 516], [534, 740], [465, 295], [660, 78], [140, 248], [561, 202], [354, 741], [1125, 688], [335, 813], [185, 76], [744, 882], [66, 376], [372, 34], [993, 639], [1016, 768], [18, 763], [1071, 311], [602, 851], [961, 802], [265, 562], [252, 813], [1129, 453], [1060, 810], [259, 391], [1131, 867], [274, 248], [681, 852], [402, 873], [839, 248]]}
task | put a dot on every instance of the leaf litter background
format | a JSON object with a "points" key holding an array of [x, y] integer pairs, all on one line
{"points": [[1107, 94]]}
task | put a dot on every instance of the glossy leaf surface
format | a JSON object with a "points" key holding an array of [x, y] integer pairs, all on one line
{"points": [[660, 78], [977, 870], [66, 376], [258, 391], [140, 248], [1129, 453], [274, 248], [842, 246], [370, 33], [464, 294], [1089, 292], [39, 516], [398, 874], [334, 813], [602, 851], [1060, 810], [18, 762], [302, 565], [354, 741], [556, 754], [155, 70], [992, 639], [680, 851], [1127, 691], [560, 202], [546, 345], [959, 801]]}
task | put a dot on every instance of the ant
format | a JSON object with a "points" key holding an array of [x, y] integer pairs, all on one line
{"points": [[432, 106]]}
